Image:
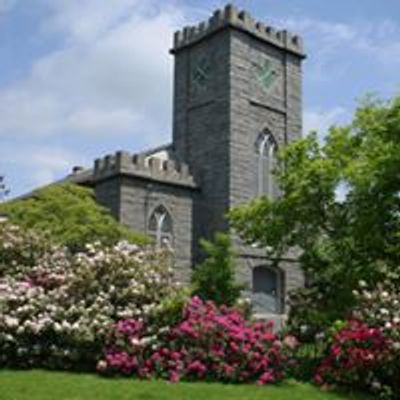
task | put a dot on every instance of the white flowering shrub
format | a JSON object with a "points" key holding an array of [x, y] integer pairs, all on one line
{"points": [[56, 308], [380, 308]]}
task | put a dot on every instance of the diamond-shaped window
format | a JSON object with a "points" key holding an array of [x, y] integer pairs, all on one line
{"points": [[200, 73], [266, 75]]}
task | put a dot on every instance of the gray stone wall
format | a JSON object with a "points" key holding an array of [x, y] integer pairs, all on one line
{"points": [[216, 128], [201, 129], [254, 109], [139, 198], [108, 195], [133, 186]]}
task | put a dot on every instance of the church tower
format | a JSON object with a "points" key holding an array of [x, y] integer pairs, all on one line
{"points": [[237, 99]]}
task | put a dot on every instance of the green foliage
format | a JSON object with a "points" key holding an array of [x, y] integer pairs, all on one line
{"points": [[341, 238], [170, 310], [70, 215], [305, 360], [214, 279]]}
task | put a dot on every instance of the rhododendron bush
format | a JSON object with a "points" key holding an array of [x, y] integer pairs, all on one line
{"points": [[210, 342], [365, 352], [56, 308], [356, 356]]}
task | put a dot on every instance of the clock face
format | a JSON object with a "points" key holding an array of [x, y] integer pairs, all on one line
{"points": [[266, 75], [200, 74]]}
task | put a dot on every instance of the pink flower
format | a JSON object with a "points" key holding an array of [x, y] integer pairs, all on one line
{"points": [[266, 377], [291, 342], [174, 377]]}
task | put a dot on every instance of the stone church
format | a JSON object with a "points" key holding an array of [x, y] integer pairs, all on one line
{"points": [[237, 99]]}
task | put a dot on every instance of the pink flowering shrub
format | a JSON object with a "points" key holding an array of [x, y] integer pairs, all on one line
{"points": [[357, 358], [209, 343]]}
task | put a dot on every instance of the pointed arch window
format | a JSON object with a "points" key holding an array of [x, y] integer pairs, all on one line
{"points": [[266, 149], [160, 227]]}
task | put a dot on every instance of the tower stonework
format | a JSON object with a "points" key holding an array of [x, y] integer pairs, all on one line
{"points": [[237, 100], [235, 78]]}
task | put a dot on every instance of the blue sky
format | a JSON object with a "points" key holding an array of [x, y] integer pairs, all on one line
{"points": [[82, 78]]}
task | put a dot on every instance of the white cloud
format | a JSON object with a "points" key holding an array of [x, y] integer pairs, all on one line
{"points": [[96, 121], [332, 43], [45, 163], [87, 20], [113, 74], [321, 120]]}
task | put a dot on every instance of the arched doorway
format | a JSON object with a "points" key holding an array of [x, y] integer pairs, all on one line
{"points": [[267, 290]]}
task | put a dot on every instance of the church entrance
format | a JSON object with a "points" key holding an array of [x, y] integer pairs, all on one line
{"points": [[267, 290]]}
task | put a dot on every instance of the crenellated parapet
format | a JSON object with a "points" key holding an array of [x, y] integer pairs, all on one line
{"points": [[138, 165], [242, 20]]}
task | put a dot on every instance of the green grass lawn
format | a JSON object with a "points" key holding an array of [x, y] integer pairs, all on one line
{"points": [[41, 385]]}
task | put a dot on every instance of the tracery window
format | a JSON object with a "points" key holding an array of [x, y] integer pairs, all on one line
{"points": [[160, 227], [266, 148]]}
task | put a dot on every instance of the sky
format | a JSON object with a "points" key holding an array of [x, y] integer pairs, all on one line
{"points": [[83, 78]]}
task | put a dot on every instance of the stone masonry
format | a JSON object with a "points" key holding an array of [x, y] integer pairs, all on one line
{"points": [[235, 79]]}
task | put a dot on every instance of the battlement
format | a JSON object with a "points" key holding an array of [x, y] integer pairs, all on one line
{"points": [[141, 166], [231, 16]]}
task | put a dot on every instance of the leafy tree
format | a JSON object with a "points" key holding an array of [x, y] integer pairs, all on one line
{"points": [[70, 215], [214, 279], [340, 206], [4, 191]]}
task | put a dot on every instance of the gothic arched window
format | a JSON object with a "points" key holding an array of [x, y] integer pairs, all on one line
{"points": [[267, 289], [266, 149], [160, 227]]}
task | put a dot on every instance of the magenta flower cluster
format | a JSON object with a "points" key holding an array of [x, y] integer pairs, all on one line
{"points": [[357, 356], [209, 343]]}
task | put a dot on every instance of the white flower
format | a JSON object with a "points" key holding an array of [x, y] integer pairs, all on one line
{"points": [[57, 327], [11, 322], [396, 346], [101, 365], [66, 325], [75, 326], [303, 328], [135, 342], [376, 385]]}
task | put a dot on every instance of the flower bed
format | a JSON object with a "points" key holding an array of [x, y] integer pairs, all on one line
{"points": [[209, 343]]}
